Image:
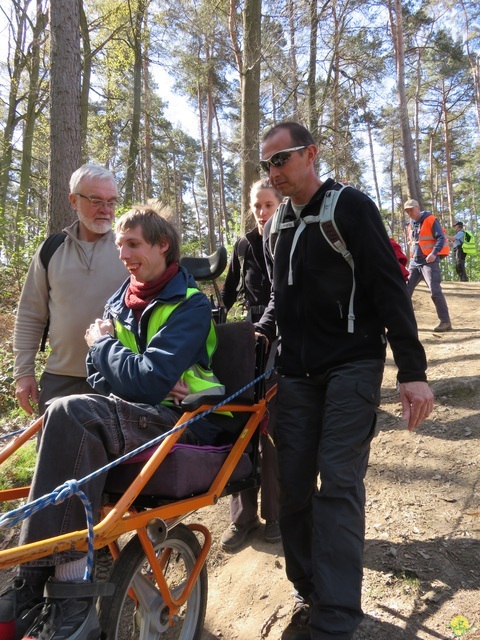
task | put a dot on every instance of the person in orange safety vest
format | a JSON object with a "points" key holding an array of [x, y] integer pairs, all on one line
{"points": [[428, 244]]}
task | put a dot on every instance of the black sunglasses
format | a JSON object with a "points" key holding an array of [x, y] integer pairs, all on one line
{"points": [[279, 158]]}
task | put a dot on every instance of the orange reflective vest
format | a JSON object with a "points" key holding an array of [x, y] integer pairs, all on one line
{"points": [[426, 240]]}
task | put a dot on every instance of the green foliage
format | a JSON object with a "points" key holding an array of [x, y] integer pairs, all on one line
{"points": [[7, 387], [7, 397], [9, 410], [17, 470], [199, 43]]}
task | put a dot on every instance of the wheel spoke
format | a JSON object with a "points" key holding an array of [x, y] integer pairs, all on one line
{"points": [[137, 611]]}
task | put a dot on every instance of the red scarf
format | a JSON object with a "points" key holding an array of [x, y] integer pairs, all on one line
{"points": [[139, 294]]}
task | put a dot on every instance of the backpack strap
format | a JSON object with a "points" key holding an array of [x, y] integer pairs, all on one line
{"points": [[49, 247], [326, 219], [242, 247], [277, 225], [333, 236]]}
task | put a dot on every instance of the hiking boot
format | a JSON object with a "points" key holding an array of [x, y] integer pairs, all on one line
{"points": [[298, 629], [443, 327], [15, 605], [272, 531], [236, 534], [69, 612]]}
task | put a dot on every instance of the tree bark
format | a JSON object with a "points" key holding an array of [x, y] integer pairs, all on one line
{"points": [[312, 72], [29, 127], [292, 54], [137, 28], [86, 76], [223, 218], [448, 158], [148, 129], [16, 67], [250, 87], [65, 127], [410, 162]]}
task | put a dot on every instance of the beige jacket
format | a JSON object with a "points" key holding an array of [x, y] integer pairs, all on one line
{"points": [[73, 295]]}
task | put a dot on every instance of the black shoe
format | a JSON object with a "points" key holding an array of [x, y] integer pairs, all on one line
{"points": [[15, 605], [69, 612], [272, 531], [299, 628]]}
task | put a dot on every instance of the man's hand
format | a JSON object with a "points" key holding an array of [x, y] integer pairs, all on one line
{"points": [[98, 329], [25, 390], [179, 392], [417, 403], [430, 258]]}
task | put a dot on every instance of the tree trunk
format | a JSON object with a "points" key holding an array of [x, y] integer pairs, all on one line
{"points": [[206, 128], [209, 162], [431, 160], [29, 126], [65, 127], [473, 59], [87, 73], [293, 59], [223, 218], [133, 150], [448, 157], [312, 72], [11, 119], [148, 132], [250, 87], [374, 165], [410, 162]]}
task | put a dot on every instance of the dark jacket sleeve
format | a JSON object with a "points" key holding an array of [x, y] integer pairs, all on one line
{"points": [[148, 377], [229, 291], [439, 236], [382, 283], [267, 324]]}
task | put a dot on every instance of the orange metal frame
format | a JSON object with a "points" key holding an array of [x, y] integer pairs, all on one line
{"points": [[122, 517]]}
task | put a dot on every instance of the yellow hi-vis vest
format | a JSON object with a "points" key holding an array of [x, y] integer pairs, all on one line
{"points": [[198, 379]]}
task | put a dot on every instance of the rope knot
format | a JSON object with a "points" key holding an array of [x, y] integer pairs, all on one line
{"points": [[66, 490]]}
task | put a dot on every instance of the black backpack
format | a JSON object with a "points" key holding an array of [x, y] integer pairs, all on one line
{"points": [[49, 247]]}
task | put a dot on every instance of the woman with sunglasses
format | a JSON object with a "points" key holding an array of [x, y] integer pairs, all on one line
{"points": [[247, 281]]}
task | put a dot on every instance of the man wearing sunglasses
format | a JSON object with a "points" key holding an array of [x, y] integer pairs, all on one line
{"points": [[330, 379], [68, 291]]}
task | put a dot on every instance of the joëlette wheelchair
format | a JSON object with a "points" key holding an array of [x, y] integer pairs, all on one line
{"points": [[160, 576]]}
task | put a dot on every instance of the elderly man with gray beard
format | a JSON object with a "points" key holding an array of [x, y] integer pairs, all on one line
{"points": [[82, 273]]}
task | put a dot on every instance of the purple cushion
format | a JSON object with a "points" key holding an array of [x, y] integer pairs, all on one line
{"points": [[187, 470]]}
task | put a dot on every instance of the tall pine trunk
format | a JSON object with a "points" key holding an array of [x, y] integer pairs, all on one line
{"points": [[65, 127], [250, 86]]}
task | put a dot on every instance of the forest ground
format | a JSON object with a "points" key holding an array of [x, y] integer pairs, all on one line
{"points": [[422, 552]]}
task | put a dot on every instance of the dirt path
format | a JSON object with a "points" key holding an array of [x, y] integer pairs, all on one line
{"points": [[422, 556]]}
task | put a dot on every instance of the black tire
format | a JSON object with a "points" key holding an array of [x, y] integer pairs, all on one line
{"points": [[119, 617]]}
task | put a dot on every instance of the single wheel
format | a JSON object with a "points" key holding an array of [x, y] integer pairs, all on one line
{"points": [[145, 616]]}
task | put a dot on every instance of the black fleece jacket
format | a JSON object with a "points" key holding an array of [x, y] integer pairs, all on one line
{"points": [[312, 313], [257, 284]]}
